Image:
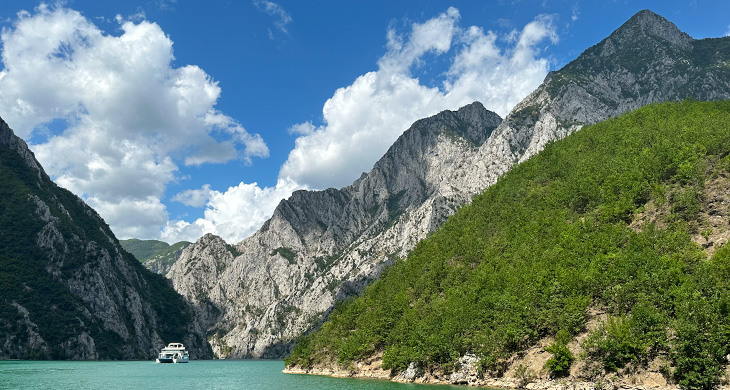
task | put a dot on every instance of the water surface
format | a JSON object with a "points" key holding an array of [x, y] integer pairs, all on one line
{"points": [[198, 374]]}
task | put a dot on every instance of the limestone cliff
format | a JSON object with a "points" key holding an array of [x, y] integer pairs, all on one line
{"points": [[67, 288], [322, 246]]}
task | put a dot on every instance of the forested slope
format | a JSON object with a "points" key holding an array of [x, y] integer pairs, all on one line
{"points": [[624, 217]]}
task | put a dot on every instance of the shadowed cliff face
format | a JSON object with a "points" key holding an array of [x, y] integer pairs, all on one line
{"points": [[67, 289], [322, 246]]}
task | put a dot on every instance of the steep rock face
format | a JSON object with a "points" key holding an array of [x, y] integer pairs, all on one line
{"points": [[67, 289], [323, 246]]}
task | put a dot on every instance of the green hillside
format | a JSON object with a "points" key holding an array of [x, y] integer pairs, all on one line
{"points": [[143, 249], [157, 256], [610, 218]]}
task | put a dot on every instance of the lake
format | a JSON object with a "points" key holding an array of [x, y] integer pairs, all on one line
{"points": [[198, 374]]}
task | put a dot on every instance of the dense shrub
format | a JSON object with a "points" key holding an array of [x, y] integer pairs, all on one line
{"points": [[559, 364]]}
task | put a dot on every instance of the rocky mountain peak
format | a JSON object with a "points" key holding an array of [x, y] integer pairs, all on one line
{"points": [[646, 60], [472, 122], [210, 238], [646, 24], [642, 42], [398, 177], [477, 119]]}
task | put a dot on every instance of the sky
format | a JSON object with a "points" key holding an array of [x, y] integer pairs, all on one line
{"points": [[176, 118]]}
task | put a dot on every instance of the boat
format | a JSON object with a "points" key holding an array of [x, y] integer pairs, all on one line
{"points": [[173, 353]]}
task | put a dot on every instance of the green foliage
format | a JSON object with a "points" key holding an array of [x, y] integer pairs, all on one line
{"points": [[702, 324], [143, 249], [686, 205], [634, 338], [287, 253], [559, 364], [528, 256], [162, 252]]}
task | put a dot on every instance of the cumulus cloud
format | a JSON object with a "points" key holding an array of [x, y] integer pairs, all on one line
{"points": [[282, 16], [129, 114], [305, 128], [234, 214], [194, 198], [131, 117], [362, 120], [727, 34]]}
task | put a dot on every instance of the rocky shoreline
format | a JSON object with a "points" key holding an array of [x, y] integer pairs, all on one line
{"points": [[472, 380], [525, 370]]}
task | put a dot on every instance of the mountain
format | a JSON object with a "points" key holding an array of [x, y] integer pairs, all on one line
{"points": [[156, 256], [646, 60], [67, 288], [320, 247], [603, 259]]}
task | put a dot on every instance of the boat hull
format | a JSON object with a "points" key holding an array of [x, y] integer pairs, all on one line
{"points": [[173, 353]]}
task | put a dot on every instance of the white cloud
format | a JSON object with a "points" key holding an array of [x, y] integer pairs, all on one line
{"points": [[194, 198], [234, 214], [132, 217], [132, 117], [282, 16], [305, 128], [130, 113], [362, 120], [727, 34]]}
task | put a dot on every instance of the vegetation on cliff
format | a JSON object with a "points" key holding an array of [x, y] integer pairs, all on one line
{"points": [[51, 249], [603, 219]]}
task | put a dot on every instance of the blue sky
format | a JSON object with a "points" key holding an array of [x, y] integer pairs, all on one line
{"points": [[178, 118]]}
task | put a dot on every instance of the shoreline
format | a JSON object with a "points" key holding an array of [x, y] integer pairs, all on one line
{"points": [[487, 382]]}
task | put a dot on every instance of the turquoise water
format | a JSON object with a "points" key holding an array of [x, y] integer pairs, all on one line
{"points": [[198, 374]]}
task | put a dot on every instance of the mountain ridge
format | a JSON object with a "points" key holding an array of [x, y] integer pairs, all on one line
{"points": [[316, 242], [323, 258]]}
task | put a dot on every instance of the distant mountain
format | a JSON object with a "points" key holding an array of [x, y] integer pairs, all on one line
{"points": [[603, 259], [322, 246], [156, 256], [67, 288]]}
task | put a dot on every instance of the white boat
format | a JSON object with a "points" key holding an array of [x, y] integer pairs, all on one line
{"points": [[173, 353]]}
